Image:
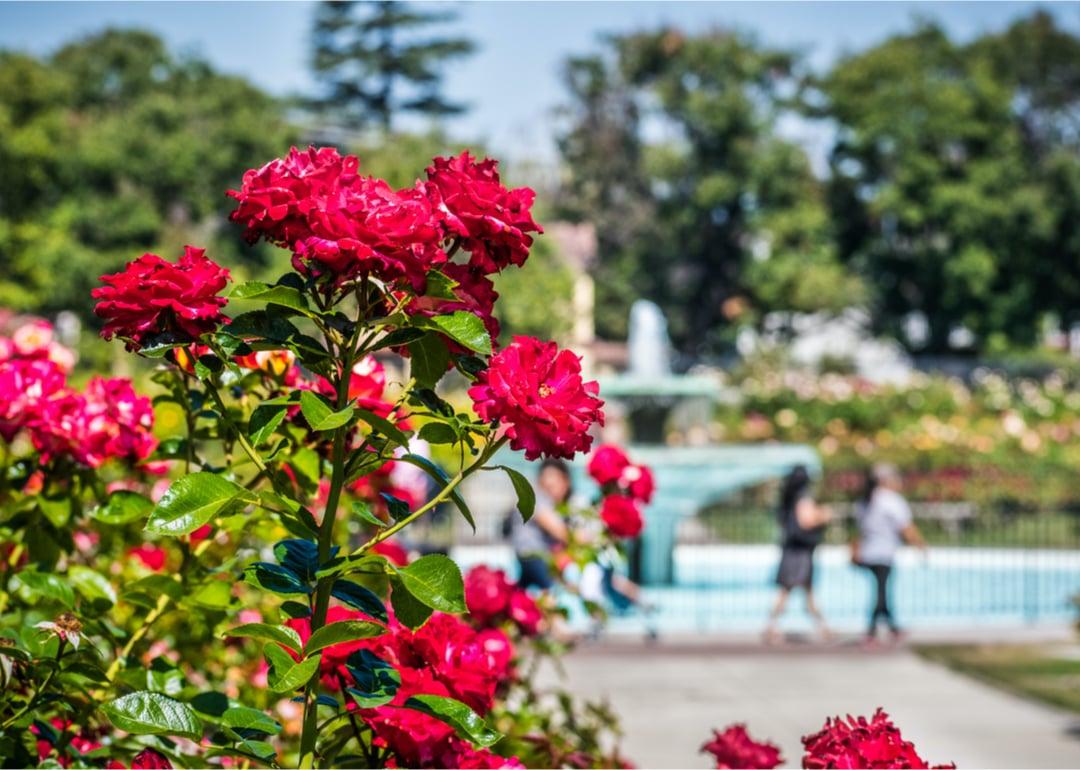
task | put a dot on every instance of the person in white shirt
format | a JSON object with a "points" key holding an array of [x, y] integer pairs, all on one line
{"points": [[884, 522]]}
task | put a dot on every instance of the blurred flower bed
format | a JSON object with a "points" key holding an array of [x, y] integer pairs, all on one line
{"points": [[1001, 444]]}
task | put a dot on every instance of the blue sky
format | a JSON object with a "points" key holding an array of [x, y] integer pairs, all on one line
{"points": [[512, 83]]}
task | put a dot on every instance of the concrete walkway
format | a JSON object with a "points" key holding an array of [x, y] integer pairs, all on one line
{"points": [[669, 698]]}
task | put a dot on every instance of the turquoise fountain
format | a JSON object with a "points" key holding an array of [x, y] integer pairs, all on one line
{"points": [[640, 404]]}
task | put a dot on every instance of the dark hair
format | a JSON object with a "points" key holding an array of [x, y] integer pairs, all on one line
{"points": [[559, 466], [795, 485], [870, 483]]}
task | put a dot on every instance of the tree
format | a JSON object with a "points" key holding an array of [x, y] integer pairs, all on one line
{"points": [[954, 181], [113, 147], [672, 150], [372, 65]]}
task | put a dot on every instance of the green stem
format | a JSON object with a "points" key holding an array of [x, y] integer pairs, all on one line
{"points": [[326, 540]]}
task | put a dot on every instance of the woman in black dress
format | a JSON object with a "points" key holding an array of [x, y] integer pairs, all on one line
{"points": [[802, 522]]}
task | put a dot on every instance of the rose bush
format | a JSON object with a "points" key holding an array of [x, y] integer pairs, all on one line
{"points": [[212, 573]]}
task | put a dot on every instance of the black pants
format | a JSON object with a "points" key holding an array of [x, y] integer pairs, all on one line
{"points": [[881, 574]]}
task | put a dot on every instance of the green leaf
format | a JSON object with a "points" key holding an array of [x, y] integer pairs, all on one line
{"points": [[377, 681], [383, 426], [464, 328], [439, 433], [437, 473], [281, 634], [435, 581], [192, 501], [151, 713], [123, 507], [526, 495], [285, 296], [244, 718], [285, 674], [407, 608], [91, 584], [264, 421], [362, 511], [58, 512], [319, 415], [464, 720], [275, 578], [48, 585], [440, 285], [359, 598], [372, 563], [430, 357], [342, 631], [146, 591], [213, 594]]}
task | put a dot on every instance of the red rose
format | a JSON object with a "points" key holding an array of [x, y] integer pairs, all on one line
{"points": [[152, 296], [621, 516], [475, 293], [637, 480], [493, 222], [607, 464], [858, 742], [537, 391], [525, 613], [735, 749], [152, 557], [393, 551], [148, 759], [487, 594]]}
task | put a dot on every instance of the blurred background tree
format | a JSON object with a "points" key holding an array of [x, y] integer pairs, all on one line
{"points": [[672, 148], [373, 63], [113, 147]]}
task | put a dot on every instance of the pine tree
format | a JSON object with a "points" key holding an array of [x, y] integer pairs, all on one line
{"points": [[375, 63]]}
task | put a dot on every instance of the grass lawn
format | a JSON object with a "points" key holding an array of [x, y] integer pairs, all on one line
{"points": [[1048, 672]]}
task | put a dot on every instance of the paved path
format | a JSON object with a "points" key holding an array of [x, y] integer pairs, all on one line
{"points": [[669, 697]]}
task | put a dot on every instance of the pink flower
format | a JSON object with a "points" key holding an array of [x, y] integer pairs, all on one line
{"points": [[734, 749], [609, 465], [487, 594], [493, 222], [148, 759], [621, 516], [32, 337], [337, 222], [152, 557], [115, 423], [525, 613], [152, 296], [858, 742], [26, 388], [537, 391]]}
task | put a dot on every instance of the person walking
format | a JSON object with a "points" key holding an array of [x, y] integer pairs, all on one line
{"points": [[535, 540], [884, 522], [802, 524]]}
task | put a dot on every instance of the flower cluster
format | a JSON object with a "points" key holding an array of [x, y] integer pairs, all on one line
{"points": [[107, 420], [493, 600], [861, 742], [537, 391], [444, 657], [625, 486], [153, 297], [734, 749]]}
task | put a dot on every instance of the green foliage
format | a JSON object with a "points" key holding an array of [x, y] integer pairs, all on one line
{"points": [[373, 65], [113, 147]]}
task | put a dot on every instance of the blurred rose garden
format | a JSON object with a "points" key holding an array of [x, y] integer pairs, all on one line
{"points": [[333, 434]]}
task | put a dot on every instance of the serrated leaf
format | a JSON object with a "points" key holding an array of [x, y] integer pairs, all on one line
{"points": [[359, 598], [284, 296], [264, 421], [376, 681], [123, 507], [340, 632], [275, 578], [268, 633], [244, 718], [526, 495], [435, 580], [429, 357], [320, 416], [285, 674], [408, 610], [464, 328], [192, 501], [151, 713], [464, 720]]}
